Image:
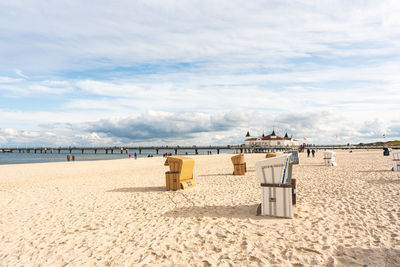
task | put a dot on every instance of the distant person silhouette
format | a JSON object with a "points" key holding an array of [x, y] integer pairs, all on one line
{"points": [[135, 155], [313, 152], [308, 152]]}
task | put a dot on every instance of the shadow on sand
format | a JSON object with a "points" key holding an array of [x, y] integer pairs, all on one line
{"points": [[139, 189], [240, 211], [385, 181], [222, 174], [378, 171], [367, 257], [216, 174], [312, 164]]}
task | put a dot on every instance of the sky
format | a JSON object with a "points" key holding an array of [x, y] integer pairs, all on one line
{"points": [[95, 73]]}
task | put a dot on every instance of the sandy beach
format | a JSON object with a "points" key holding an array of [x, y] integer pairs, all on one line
{"points": [[118, 213]]}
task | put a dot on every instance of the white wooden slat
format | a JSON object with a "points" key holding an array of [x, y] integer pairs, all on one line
{"points": [[395, 154]]}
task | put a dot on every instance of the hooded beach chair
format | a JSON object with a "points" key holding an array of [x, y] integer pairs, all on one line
{"points": [[180, 175], [239, 166], [395, 154], [386, 151], [276, 190], [295, 156], [330, 158]]}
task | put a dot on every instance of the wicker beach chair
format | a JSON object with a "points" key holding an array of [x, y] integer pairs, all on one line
{"points": [[180, 175], [395, 154], [239, 166], [330, 158], [276, 190]]}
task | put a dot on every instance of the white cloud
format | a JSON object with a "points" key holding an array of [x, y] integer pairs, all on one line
{"points": [[29, 134], [20, 88], [39, 89], [318, 69], [230, 31], [228, 127], [6, 80], [9, 132], [19, 73]]}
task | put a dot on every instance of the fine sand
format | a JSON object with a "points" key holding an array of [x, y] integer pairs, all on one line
{"points": [[118, 213]]}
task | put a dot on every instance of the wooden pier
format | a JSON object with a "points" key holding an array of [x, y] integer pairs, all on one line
{"points": [[121, 150], [173, 149]]}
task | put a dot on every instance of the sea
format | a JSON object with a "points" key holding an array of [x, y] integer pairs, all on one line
{"points": [[23, 157]]}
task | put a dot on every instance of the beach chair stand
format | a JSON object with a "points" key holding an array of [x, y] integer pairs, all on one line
{"points": [[239, 169], [276, 200]]}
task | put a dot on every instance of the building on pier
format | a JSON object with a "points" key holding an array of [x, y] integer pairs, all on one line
{"points": [[271, 140]]}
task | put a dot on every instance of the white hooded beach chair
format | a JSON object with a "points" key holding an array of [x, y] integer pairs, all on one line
{"points": [[276, 191], [395, 154], [330, 158]]}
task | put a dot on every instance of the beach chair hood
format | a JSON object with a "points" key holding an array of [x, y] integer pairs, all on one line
{"points": [[273, 170]]}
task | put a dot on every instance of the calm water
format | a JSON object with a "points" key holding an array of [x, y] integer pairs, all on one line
{"points": [[17, 158]]}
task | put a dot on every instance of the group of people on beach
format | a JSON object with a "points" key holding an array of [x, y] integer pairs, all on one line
{"points": [[310, 151]]}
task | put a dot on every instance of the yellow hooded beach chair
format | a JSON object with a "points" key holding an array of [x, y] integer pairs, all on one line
{"points": [[239, 166], [180, 175]]}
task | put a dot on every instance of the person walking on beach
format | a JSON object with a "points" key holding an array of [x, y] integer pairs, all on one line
{"points": [[135, 155], [308, 152], [313, 152]]}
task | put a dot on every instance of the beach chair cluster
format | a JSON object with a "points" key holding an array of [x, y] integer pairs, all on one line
{"points": [[180, 175], [239, 166], [275, 175], [395, 154], [329, 158]]}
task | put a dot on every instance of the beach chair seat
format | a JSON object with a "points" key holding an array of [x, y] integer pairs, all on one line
{"points": [[180, 175], [329, 158], [239, 165], [395, 154], [276, 190]]}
